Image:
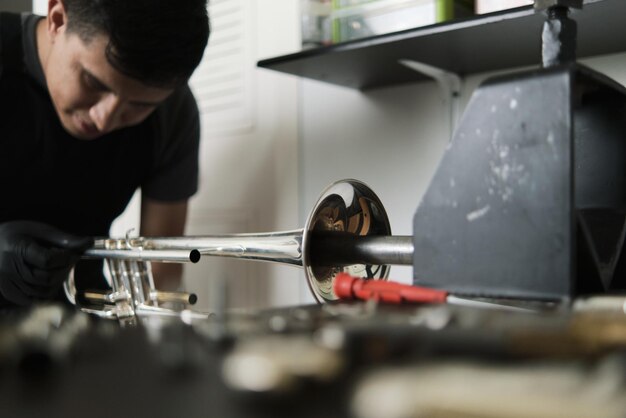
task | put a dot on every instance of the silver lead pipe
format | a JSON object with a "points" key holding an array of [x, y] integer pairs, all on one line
{"points": [[167, 256], [281, 247]]}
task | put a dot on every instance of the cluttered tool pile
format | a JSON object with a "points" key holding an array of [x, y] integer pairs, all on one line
{"points": [[342, 359], [515, 309]]}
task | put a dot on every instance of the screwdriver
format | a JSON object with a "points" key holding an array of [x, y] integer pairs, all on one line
{"points": [[350, 287]]}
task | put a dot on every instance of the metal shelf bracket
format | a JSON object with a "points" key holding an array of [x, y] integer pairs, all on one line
{"points": [[450, 84]]}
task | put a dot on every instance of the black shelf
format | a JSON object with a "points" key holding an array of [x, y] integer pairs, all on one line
{"points": [[488, 42]]}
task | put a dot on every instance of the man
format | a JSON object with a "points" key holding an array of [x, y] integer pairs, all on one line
{"points": [[94, 103]]}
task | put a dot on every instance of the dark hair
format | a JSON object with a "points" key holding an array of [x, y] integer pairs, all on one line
{"points": [[159, 42]]}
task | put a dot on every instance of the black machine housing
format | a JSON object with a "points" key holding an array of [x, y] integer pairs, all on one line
{"points": [[529, 200]]}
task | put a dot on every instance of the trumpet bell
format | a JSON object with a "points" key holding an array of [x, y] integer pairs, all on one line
{"points": [[346, 206]]}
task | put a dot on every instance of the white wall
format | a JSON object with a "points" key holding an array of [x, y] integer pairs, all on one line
{"points": [[249, 165], [40, 7]]}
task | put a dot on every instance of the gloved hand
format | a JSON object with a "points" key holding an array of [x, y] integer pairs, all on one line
{"points": [[35, 259]]}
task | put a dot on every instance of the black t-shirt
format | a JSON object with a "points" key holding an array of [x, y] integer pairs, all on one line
{"points": [[82, 186]]}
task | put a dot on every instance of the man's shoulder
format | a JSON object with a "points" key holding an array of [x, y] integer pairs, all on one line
{"points": [[178, 110], [181, 99], [178, 115]]}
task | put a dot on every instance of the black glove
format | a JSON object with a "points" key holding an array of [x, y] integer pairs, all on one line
{"points": [[35, 259]]}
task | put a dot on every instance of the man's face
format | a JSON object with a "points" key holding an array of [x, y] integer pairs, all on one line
{"points": [[90, 96]]}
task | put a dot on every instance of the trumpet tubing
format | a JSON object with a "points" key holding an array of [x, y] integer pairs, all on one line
{"points": [[283, 247], [347, 231], [164, 255]]}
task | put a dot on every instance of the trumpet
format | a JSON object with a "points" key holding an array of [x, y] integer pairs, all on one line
{"points": [[347, 231]]}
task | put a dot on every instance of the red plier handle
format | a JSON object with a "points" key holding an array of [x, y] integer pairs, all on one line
{"points": [[349, 287]]}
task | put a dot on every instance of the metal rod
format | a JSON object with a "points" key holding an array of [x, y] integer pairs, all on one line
{"points": [[99, 297], [171, 256], [182, 297], [335, 249]]}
